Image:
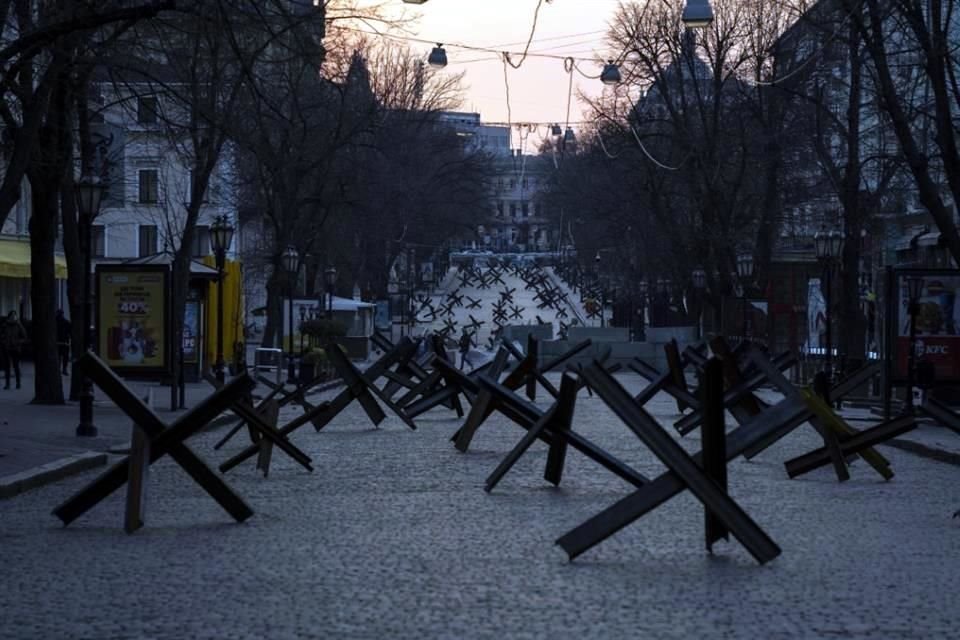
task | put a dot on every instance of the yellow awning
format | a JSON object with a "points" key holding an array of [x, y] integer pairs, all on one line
{"points": [[15, 260]]}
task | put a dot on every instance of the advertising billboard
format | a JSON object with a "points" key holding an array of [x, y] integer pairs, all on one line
{"points": [[191, 332], [937, 317], [133, 318]]}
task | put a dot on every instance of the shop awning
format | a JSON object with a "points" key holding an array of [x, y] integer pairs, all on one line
{"points": [[15, 260], [198, 270]]}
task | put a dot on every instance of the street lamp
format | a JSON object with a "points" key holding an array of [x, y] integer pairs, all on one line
{"points": [[330, 277], [438, 57], [697, 14], [599, 285], [221, 236], [291, 264], [89, 192], [699, 279], [611, 74], [303, 318], [829, 247], [914, 291], [745, 271], [643, 287]]}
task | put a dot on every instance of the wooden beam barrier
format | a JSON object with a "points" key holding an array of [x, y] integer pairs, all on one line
{"points": [[323, 413], [714, 433], [780, 417], [482, 406], [527, 415], [733, 395], [162, 440]]}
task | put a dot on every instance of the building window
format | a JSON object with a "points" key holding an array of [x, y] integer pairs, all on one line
{"points": [[513, 183], [147, 110], [98, 240], [538, 209], [201, 241], [206, 189], [513, 209], [526, 183], [149, 186], [500, 208], [526, 209], [148, 240]]}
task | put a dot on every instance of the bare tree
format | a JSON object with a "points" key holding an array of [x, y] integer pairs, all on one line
{"points": [[905, 36]]}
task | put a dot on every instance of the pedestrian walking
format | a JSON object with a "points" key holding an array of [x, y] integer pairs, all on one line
{"points": [[12, 337], [63, 340], [465, 344]]}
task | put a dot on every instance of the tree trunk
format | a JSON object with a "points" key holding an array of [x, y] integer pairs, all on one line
{"points": [[72, 246], [851, 332], [50, 158], [47, 385], [75, 278], [928, 189]]}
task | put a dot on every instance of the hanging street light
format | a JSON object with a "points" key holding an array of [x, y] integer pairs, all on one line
{"points": [[610, 75], [89, 193], [221, 236], [697, 14], [438, 57]]}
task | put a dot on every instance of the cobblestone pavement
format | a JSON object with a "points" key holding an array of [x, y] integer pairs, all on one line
{"points": [[393, 537]]}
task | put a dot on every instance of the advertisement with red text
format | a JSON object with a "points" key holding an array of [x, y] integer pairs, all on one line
{"points": [[938, 318]]}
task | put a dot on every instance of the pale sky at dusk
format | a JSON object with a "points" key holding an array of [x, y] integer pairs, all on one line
{"points": [[538, 90]]}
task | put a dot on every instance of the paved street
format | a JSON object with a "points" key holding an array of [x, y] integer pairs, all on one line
{"points": [[393, 537]]}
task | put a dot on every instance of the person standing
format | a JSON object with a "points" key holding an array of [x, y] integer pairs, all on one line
{"points": [[12, 337], [63, 341], [465, 343]]}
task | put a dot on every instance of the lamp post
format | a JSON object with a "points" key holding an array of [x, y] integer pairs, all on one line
{"points": [[599, 289], [829, 247], [221, 236], [330, 277], [303, 318], [603, 301], [745, 272], [291, 264], [643, 288], [914, 291], [699, 279], [88, 194]]}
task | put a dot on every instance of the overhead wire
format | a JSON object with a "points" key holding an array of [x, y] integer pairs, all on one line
{"points": [[506, 86], [604, 147], [526, 49], [464, 47]]}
